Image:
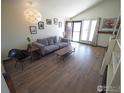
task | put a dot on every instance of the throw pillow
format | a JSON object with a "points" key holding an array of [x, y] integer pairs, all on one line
{"points": [[51, 42], [43, 41]]}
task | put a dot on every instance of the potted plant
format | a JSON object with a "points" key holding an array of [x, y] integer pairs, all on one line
{"points": [[29, 42]]}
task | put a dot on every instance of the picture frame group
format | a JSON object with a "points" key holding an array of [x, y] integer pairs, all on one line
{"points": [[33, 29]]}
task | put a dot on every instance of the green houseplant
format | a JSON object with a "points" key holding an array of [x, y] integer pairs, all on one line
{"points": [[29, 42]]}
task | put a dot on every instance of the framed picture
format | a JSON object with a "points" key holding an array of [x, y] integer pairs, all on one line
{"points": [[48, 21], [55, 20], [60, 24], [107, 24], [41, 25], [33, 29]]}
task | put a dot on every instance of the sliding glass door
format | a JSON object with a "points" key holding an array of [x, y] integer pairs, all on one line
{"points": [[85, 30], [92, 29], [76, 31], [81, 31], [88, 30]]}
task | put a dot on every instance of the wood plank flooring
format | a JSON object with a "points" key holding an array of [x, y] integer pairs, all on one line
{"points": [[78, 74]]}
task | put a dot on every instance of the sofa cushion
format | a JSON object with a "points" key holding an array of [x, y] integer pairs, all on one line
{"points": [[51, 48], [62, 44], [50, 41], [43, 41], [54, 38]]}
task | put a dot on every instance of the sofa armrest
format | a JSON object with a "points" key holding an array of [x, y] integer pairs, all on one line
{"points": [[65, 40], [39, 45]]}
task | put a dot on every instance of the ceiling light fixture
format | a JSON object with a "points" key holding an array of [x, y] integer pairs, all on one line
{"points": [[31, 14]]}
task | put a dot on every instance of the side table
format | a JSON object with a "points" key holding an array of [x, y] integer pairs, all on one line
{"points": [[32, 50]]}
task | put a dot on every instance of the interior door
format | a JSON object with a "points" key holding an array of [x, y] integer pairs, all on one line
{"points": [[88, 30]]}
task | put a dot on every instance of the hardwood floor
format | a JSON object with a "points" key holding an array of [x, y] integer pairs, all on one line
{"points": [[78, 74]]}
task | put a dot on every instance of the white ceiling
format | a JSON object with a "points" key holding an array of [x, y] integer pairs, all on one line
{"points": [[60, 8], [66, 8]]}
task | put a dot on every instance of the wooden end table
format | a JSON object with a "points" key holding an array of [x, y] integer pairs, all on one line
{"points": [[32, 50]]}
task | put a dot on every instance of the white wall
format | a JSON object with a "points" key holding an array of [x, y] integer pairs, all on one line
{"points": [[2, 68], [105, 9], [15, 29], [4, 87]]}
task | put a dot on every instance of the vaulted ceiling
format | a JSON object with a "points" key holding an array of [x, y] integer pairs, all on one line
{"points": [[60, 8], [66, 8]]}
